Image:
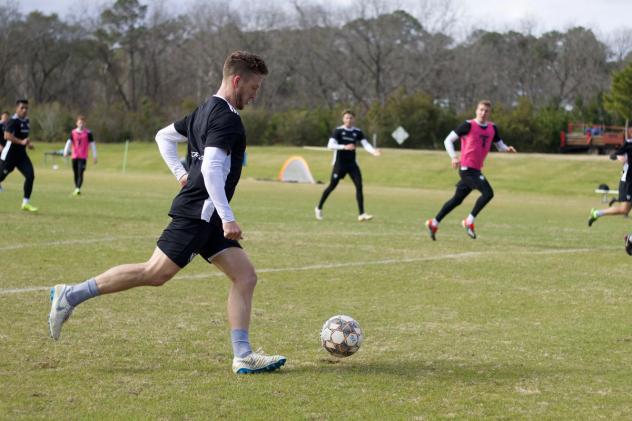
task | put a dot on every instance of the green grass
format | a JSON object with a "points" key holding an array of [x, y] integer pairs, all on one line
{"points": [[531, 321]]}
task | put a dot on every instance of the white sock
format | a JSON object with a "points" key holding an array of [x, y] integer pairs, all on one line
{"points": [[434, 222], [25, 201], [469, 220]]}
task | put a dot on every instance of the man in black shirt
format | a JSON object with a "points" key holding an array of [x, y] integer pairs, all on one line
{"points": [[13, 155], [343, 142], [202, 221]]}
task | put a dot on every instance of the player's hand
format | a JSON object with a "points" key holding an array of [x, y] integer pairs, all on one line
{"points": [[183, 180], [377, 152], [455, 163], [29, 145], [232, 231], [350, 147], [511, 149]]}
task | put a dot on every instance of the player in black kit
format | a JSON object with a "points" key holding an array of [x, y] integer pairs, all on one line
{"points": [[343, 142], [624, 155], [202, 220], [4, 120], [13, 155]]}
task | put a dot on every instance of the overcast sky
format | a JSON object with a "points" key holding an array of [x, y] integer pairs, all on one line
{"points": [[603, 16]]}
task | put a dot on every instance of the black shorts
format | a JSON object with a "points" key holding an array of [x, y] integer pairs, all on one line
{"points": [[184, 238], [341, 170], [625, 191], [473, 180]]}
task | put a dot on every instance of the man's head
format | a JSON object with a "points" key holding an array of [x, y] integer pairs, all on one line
{"points": [[483, 111], [22, 108], [243, 74], [348, 118], [4, 117], [81, 121]]}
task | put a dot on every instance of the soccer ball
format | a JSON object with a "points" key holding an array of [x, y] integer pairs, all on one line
{"points": [[341, 336]]}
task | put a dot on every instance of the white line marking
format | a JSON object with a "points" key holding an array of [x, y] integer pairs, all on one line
{"points": [[65, 242], [354, 264]]}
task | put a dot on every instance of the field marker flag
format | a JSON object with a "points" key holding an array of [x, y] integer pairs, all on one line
{"points": [[296, 170]]}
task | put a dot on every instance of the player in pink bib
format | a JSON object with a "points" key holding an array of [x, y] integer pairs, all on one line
{"points": [[78, 141], [476, 137]]}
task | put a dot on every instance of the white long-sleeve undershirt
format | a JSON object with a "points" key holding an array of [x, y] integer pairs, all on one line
{"points": [[334, 145], [93, 147], [215, 169], [453, 137], [167, 139]]}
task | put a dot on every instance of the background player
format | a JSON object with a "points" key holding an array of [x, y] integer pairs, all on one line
{"points": [[476, 138], [13, 155], [79, 139], [202, 220], [4, 120], [623, 154], [343, 143]]}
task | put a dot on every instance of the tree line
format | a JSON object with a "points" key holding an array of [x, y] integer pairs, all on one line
{"points": [[134, 67]]}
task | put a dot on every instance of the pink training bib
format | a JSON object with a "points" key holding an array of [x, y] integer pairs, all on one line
{"points": [[475, 145], [80, 141]]}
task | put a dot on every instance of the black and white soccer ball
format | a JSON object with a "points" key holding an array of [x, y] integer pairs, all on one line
{"points": [[341, 336]]}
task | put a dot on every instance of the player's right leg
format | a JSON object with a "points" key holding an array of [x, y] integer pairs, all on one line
{"points": [[64, 298], [461, 192], [333, 182], [25, 166]]}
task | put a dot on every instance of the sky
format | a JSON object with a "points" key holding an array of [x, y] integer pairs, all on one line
{"points": [[536, 16]]}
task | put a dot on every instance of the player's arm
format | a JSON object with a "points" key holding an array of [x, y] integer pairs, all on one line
{"points": [[167, 139], [11, 138], [368, 147], [449, 147], [500, 145], [334, 145], [93, 146], [216, 161], [67, 147]]}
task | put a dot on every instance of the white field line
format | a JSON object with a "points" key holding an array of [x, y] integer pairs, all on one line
{"points": [[67, 242], [365, 263]]}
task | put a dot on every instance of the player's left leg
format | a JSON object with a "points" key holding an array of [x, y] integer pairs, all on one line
{"points": [[480, 183], [25, 166], [356, 177], [234, 262], [79, 166], [622, 208]]}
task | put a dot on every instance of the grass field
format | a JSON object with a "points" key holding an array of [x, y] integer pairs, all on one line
{"points": [[533, 320]]}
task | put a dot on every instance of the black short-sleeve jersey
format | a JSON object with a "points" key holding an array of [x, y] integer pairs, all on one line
{"points": [[626, 149], [215, 123], [20, 129], [465, 127], [2, 129], [345, 136]]}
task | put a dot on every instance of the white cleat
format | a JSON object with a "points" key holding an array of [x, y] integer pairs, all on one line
{"points": [[318, 213], [60, 310], [365, 217], [257, 363]]}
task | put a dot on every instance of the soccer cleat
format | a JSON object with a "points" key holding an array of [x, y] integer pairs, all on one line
{"points": [[28, 207], [60, 310], [593, 217], [628, 244], [432, 229], [469, 229], [257, 363], [365, 217], [318, 213], [76, 192]]}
